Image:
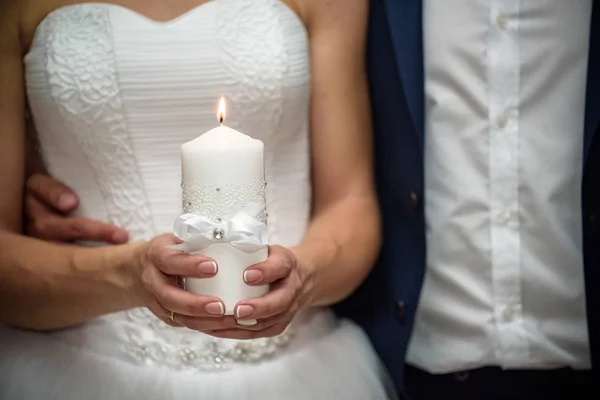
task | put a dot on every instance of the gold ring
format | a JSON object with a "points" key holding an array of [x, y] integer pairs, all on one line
{"points": [[173, 317]]}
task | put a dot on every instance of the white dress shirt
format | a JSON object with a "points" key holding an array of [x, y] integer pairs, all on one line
{"points": [[505, 93]]}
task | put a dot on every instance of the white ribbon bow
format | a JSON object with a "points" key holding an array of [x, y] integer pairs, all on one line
{"points": [[243, 231]]}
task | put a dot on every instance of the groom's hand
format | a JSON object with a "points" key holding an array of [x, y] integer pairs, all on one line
{"points": [[48, 204]]}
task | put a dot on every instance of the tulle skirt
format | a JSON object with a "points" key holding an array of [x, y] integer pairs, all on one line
{"points": [[326, 359]]}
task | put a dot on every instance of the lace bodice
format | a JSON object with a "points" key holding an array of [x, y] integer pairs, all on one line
{"points": [[115, 94]]}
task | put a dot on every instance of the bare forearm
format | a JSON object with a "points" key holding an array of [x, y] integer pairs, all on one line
{"points": [[339, 250], [46, 286]]}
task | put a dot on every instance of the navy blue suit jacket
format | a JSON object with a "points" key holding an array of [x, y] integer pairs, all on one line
{"points": [[385, 304]]}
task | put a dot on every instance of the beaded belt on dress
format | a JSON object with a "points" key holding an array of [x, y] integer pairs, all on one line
{"points": [[152, 342]]}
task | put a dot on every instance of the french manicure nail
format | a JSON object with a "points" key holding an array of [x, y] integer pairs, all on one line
{"points": [[208, 267], [244, 311], [247, 322], [215, 308], [252, 275]]}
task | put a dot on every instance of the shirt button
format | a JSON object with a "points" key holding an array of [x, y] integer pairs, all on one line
{"points": [[508, 314], [502, 21], [400, 311], [413, 202], [504, 216], [594, 222], [501, 121]]}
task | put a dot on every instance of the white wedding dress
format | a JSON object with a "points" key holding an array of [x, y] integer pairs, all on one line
{"points": [[114, 95]]}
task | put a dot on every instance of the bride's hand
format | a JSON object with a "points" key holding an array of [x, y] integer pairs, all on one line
{"points": [[275, 310], [157, 286]]}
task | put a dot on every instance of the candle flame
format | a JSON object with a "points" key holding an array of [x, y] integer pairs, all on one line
{"points": [[222, 111]]}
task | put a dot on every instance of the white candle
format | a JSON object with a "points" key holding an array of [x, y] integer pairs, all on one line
{"points": [[223, 171]]}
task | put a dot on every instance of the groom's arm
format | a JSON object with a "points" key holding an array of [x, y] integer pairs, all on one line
{"points": [[48, 207], [48, 203]]}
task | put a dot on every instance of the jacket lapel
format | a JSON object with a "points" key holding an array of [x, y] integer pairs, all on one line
{"points": [[405, 20], [592, 103]]}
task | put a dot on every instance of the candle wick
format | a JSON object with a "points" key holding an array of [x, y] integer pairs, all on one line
{"points": [[221, 121]]}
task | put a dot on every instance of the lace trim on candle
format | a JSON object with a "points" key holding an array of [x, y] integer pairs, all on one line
{"points": [[207, 354], [221, 202]]}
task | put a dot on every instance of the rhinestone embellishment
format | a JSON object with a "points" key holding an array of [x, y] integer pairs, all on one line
{"points": [[218, 234], [188, 356]]}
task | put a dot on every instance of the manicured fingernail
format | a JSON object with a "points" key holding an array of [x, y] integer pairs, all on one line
{"points": [[247, 322], [119, 237], [208, 267], [215, 308], [66, 200], [244, 311], [252, 275]]}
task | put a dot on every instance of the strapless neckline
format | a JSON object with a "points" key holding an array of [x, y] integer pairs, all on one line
{"points": [[151, 21], [179, 18]]}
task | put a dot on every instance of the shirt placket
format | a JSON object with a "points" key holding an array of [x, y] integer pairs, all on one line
{"points": [[503, 78]]}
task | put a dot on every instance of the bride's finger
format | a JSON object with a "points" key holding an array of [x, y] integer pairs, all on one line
{"points": [[280, 299], [162, 313], [278, 266], [207, 324], [177, 263], [262, 324], [175, 299], [183, 321]]}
